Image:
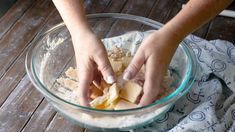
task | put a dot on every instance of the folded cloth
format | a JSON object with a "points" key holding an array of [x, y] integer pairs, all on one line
{"points": [[210, 104]]}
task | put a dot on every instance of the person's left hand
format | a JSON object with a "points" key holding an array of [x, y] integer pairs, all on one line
{"points": [[155, 53]]}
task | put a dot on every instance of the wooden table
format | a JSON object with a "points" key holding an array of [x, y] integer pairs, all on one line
{"points": [[22, 107]]}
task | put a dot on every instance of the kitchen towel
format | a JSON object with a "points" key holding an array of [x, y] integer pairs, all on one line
{"points": [[210, 104]]}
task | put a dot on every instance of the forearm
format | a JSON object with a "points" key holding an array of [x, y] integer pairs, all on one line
{"points": [[73, 14], [194, 14]]}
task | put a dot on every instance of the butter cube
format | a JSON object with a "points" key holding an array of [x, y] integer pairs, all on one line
{"points": [[95, 92], [104, 85], [113, 93], [116, 65], [122, 105], [99, 101], [131, 91]]}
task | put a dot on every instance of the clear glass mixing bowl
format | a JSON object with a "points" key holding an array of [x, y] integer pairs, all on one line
{"points": [[52, 52]]}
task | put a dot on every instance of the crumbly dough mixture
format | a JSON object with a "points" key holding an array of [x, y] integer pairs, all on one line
{"points": [[120, 95]]}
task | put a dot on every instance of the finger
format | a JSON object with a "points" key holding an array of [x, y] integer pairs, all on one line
{"points": [[105, 67], [85, 78], [135, 65], [152, 82]]}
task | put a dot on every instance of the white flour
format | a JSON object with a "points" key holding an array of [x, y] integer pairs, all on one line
{"points": [[130, 41]]}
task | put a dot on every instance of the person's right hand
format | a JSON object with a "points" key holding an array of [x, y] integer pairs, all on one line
{"points": [[91, 59]]}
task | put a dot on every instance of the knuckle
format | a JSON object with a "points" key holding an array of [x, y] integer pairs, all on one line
{"points": [[105, 68], [133, 68]]}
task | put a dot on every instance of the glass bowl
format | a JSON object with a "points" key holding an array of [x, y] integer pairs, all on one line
{"points": [[52, 52]]}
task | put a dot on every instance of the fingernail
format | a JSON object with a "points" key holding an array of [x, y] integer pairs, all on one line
{"points": [[127, 76], [110, 79]]}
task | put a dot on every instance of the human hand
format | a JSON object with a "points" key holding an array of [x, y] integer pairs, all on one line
{"points": [[91, 59], [155, 53]]}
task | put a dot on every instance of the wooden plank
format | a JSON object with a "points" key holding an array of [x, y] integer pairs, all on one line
{"points": [[45, 112], [14, 42], [60, 124], [177, 6], [53, 20], [13, 14], [12, 78], [135, 7], [115, 6], [222, 28], [19, 106], [102, 27], [41, 118], [96, 6], [161, 10], [17, 70]]}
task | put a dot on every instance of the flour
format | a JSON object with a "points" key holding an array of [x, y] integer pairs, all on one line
{"points": [[129, 41]]}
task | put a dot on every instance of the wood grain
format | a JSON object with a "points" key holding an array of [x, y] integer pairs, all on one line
{"points": [[222, 28], [41, 118], [13, 74], [177, 6], [161, 10], [60, 124], [12, 77], [134, 7], [23, 31], [13, 14], [19, 106]]}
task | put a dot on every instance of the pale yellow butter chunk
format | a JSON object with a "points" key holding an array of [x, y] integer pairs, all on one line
{"points": [[116, 65], [68, 83], [113, 93], [131, 91], [122, 105], [110, 106], [99, 101], [95, 92], [72, 73]]}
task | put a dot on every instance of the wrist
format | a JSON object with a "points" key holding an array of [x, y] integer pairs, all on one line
{"points": [[79, 29], [171, 32]]}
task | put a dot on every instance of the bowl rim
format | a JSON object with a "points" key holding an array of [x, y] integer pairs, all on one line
{"points": [[187, 81]]}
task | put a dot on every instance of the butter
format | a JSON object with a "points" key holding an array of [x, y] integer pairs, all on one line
{"points": [[95, 92], [113, 93], [104, 85], [131, 91], [99, 101], [117, 66]]}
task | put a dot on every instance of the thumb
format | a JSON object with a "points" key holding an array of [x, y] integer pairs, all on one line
{"points": [[105, 67], [134, 66]]}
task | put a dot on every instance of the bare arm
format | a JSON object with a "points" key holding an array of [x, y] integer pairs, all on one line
{"points": [[91, 56], [73, 14], [157, 50], [194, 14]]}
